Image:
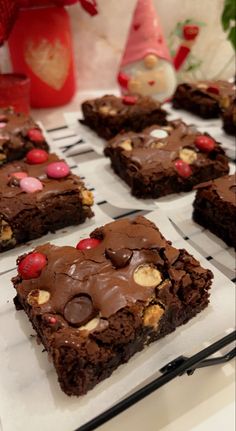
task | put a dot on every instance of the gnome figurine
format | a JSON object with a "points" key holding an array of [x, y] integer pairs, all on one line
{"points": [[146, 66]]}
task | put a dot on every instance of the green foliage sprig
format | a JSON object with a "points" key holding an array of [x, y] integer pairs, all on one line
{"points": [[228, 20]]}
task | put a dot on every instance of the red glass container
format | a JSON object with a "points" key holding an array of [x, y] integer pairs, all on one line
{"points": [[15, 91], [41, 47]]}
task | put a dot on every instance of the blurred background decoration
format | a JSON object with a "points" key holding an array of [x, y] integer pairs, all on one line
{"points": [[98, 43]]}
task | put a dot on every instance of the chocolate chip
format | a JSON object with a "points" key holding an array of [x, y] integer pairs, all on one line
{"points": [[79, 310], [119, 258], [233, 189], [13, 181]]}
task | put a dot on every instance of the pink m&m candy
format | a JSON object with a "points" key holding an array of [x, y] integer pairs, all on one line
{"points": [[31, 185], [57, 170], [19, 175]]}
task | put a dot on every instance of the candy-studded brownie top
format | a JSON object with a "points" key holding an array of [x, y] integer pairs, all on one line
{"points": [[219, 90], [176, 146], [26, 184], [110, 105], [122, 263]]}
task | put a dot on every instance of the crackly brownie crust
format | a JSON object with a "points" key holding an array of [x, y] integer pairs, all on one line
{"points": [[25, 216], [109, 115], [147, 163], [134, 287], [14, 139], [215, 208], [229, 118], [206, 99]]}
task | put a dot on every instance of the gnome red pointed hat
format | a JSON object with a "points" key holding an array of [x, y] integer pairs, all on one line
{"points": [[145, 35]]}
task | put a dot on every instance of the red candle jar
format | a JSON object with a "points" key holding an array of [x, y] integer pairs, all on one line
{"points": [[15, 91], [40, 46]]}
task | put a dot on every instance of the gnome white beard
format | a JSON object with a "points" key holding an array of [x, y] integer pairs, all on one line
{"points": [[158, 82]]}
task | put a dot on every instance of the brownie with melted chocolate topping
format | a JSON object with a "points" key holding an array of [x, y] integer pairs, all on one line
{"points": [[229, 118], [109, 115], [16, 137], [25, 216], [215, 208], [149, 161], [94, 308], [206, 99]]}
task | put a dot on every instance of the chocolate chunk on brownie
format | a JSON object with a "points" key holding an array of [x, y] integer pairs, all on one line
{"points": [[204, 98], [215, 208], [18, 134], [94, 306], [109, 115], [39, 198], [166, 159], [229, 118]]}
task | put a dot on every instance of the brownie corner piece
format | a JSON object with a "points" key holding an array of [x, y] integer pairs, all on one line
{"points": [[18, 134], [206, 99], [214, 208], [123, 288], [53, 204], [109, 115]]}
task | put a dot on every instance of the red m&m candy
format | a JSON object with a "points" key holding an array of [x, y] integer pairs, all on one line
{"points": [[129, 100], [87, 243], [183, 168], [57, 170], [213, 89], [204, 143], [36, 156], [31, 265], [35, 135]]}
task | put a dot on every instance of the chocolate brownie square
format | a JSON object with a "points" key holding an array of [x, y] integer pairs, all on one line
{"points": [[18, 134], [215, 208], [116, 292], [166, 159], [206, 99], [229, 118], [39, 198], [109, 115]]}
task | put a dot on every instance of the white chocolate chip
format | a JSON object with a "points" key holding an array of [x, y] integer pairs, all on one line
{"points": [[5, 231], [38, 297], [187, 155], [107, 110], [126, 145], [152, 315], [91, 325], [202, 86], [87, 197], [159, 133], [167, 128], [147, 276], [158, 144], [104, 109]]}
